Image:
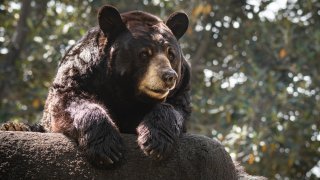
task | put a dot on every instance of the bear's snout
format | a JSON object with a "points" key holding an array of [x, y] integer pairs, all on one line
{"points": [[169, 77]]}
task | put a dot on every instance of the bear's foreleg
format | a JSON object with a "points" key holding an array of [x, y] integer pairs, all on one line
{"points": [[93, 128], [159, 131]]}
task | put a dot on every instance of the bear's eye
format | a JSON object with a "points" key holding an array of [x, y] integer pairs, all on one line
{"points": [[171, 54], [144, 54]]}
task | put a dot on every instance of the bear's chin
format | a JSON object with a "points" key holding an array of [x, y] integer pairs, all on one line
{"points": [[153, 95]]}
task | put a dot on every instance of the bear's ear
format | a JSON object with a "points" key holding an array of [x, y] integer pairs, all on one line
{"points": [[110, 21], [178, 23]]}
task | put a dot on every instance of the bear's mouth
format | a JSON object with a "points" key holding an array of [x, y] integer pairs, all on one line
{"points": [[156, 93], [159, 91]]}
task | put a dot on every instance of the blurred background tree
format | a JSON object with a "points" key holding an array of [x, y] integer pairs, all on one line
{"points": [[255, 67]]}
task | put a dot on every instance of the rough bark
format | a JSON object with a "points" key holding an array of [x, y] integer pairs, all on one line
{"points": [[29, 155]]}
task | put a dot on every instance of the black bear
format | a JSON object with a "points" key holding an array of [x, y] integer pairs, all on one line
{"points": [[127, 75]]}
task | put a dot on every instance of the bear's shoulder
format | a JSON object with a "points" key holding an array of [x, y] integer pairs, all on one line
{"points": [[84, 50], [81, 59]]}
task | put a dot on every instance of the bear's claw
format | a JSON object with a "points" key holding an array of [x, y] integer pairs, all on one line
{"points": [[13, 126], [105, 152], [156, 145]]}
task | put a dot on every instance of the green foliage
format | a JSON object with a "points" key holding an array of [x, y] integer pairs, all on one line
{"points": [[256, 79]]}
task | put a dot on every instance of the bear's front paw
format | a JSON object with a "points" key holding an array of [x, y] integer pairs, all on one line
{"points": [[105, 151], [156, 143], [13, 126]]}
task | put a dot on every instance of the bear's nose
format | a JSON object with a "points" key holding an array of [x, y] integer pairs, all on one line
{"points": [[169, 77]]}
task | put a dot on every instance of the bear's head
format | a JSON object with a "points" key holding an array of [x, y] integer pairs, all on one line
{"points": [[144, 50]]}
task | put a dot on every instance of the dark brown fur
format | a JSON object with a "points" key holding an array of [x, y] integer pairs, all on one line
{"points": [[94, 95]]}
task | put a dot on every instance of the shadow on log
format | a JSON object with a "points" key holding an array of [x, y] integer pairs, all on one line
{"points": [[29, 155]]}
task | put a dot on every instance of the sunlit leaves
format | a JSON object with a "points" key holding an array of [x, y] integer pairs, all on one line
{"points": [[36, 103], [282, 53], [279, 99], [251, 159], [201, 9]]}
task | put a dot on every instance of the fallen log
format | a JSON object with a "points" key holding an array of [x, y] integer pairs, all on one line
{"points": [[30, 155]]}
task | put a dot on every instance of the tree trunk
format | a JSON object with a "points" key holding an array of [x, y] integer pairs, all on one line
{"points": [[9, 71], [29, 155]]}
